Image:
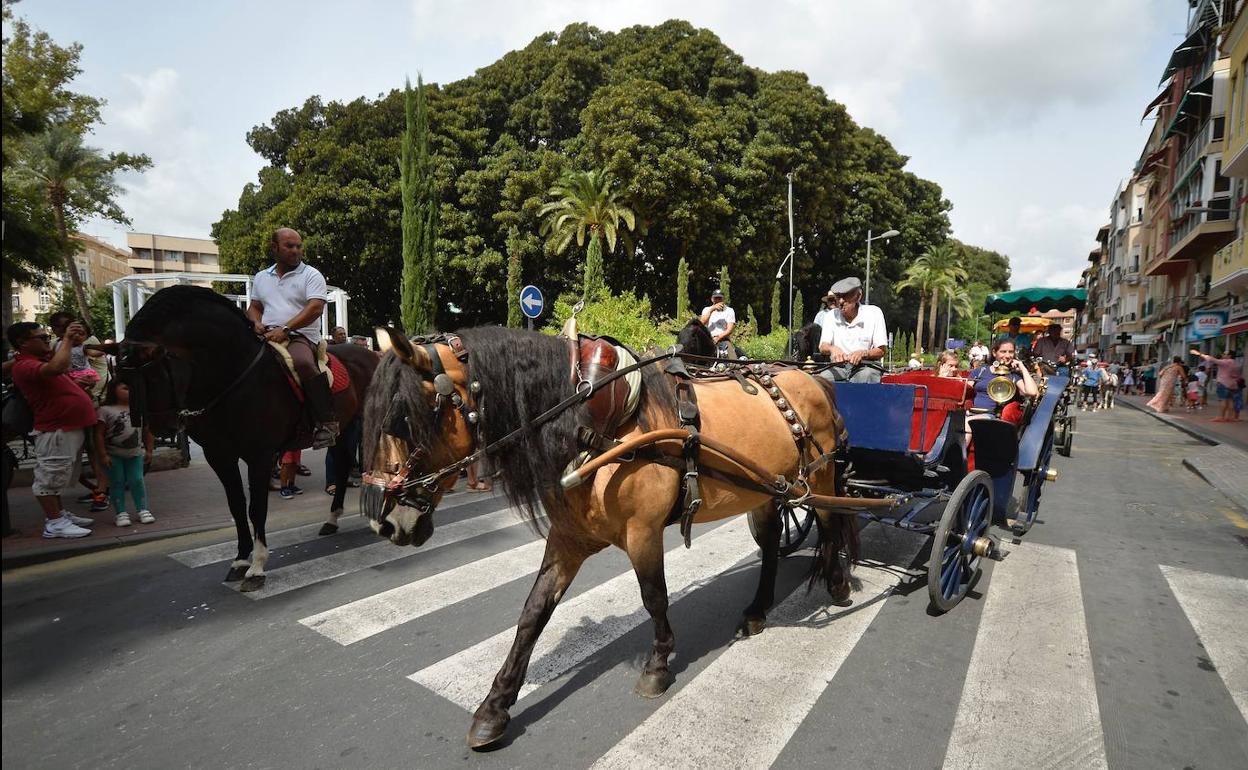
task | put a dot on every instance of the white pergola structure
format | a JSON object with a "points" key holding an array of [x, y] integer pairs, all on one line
{"points": [[130, 292]]}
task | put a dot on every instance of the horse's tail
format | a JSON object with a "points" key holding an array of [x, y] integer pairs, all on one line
{"points": [[837, 531]]}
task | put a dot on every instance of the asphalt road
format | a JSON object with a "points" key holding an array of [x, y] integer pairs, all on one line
{"points": [[1114, 635]]}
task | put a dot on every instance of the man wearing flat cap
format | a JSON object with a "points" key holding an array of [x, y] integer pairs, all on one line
{"points": [[853, 334], [720, 319]]}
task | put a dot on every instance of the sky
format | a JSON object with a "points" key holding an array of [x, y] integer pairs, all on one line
{"points": [[1026, 112]]}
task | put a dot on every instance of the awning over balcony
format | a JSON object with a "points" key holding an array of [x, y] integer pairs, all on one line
{"points": [[1194, 105], [1153, 161], [1155, 103], [1189, 52]]}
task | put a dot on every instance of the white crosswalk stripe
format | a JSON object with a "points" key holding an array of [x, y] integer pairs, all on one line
{"points": [[1217, 607], [211, 554], [743, 708], [1031, 658], [585, 624]]}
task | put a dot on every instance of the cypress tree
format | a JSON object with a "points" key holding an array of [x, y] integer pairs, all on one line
{"points": [[515, 319], [723, 284], [776, 320], [595, 281], [418, 302], [799, 317], [682, 290]]}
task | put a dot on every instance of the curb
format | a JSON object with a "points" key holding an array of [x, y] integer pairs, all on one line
{"points": [[1176, 425], [83, 547]]}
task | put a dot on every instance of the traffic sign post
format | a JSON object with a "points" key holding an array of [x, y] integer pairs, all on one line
{"points": [[531, 303]]}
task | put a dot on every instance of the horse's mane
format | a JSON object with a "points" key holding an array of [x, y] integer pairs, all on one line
{"points": [[174, 302], [696, 332]]}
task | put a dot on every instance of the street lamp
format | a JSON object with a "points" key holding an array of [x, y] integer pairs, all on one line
{"points": [[787, 258], [870, 237]]}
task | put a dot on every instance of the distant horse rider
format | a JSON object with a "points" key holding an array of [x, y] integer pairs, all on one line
{"points": [[853, 334], [720, 319], [287, 300]]}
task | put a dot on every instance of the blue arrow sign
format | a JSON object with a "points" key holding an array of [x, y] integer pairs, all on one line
{"points": [[531, 301]]}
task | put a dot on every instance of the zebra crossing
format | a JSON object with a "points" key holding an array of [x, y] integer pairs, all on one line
{"points": [[1029, 697]]}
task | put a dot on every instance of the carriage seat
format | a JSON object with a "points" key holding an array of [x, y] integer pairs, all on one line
{"points": [[943, 395], [611, 406]]}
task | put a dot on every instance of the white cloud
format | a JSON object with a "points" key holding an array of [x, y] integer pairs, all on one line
{"points": [[1047, 246]]}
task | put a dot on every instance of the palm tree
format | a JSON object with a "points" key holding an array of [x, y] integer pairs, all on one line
{"points": [[79, 183], [586, 202], [918, 276], [957, 300]]}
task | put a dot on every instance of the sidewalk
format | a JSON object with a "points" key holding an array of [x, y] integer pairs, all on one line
{"points": [[1224, 463], [184, 500]]}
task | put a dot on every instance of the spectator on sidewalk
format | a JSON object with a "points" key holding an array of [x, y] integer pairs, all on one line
{"points": [[1227, 378], [1203, 378], [289, 469], [62, 412], [125, 451], [1128, 380], [1173, 374]]}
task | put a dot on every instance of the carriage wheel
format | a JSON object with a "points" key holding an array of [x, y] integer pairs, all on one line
{"points": [[795, 524], [1064, 435], [960, 541], [1030, 504]]}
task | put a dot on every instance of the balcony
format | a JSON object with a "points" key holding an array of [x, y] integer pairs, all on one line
{"points": [[1206, 140], [1168, 309]]}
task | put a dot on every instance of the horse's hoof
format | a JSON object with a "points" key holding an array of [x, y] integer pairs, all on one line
{"points": [[840, 595], [328, 529], [753, 626], [253, 583], [652, 684], [484, 733], [235, 574]]}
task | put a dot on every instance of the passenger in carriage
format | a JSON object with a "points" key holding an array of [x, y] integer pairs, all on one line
{"points": [[1003, 352], [948, 364], [1056, 348]]}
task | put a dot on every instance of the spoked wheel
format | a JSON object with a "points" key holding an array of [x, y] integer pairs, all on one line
{"points": [[961, 540], [795, 524], [1064, 435], [1029, 506]]}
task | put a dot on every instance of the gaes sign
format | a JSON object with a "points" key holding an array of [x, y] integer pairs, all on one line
{"points": [[1207, 324]]}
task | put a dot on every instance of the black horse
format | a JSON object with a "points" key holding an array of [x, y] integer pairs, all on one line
{"points": [[695, 339], [190, 356], [805, 343]]}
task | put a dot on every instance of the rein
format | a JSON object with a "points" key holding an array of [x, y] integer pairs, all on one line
{"points": [[183, 414]]}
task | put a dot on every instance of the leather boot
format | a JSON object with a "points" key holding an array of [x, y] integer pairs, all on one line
{"points": [[321, 405]]}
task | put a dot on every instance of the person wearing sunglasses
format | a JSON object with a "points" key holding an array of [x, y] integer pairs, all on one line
{"points": [[62, 411]]}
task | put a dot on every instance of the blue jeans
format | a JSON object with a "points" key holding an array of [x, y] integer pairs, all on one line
{"points": [[123, 472], [350, 439]]}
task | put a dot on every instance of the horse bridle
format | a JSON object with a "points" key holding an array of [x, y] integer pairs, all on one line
{"points": [[179, 404]]}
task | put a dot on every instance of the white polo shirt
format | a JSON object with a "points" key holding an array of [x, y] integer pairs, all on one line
{"points": [[284, 297], [720, 319], [866, 331]]}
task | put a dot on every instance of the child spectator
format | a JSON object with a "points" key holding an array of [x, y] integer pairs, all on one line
{"points": [[1193, 392], [290, 468], [124, 450], [947, 364]]}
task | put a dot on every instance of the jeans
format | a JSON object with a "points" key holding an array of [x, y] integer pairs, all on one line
{"points": [[843, 372], [123, 472], [350, 439]]}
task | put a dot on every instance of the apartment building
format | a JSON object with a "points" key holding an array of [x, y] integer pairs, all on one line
{"points": [[98, 262], [1229, 273], [152, 253]]}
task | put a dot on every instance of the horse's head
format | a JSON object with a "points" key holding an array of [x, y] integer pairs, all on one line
{"points": [[420, 421], [695, 339], [157, 379], [805, 342]]}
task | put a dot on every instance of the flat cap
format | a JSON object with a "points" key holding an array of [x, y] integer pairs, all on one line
{"points": [[845, 285]]}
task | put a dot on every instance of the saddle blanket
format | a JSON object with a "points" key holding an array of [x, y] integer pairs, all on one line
{"points": [[339, 379]]}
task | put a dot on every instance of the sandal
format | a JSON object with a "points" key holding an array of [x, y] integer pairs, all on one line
{"points": [[330, 489]]}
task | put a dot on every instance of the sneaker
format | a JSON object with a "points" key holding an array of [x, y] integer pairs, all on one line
{"points": [[122, 520], [99, 502], [63, 527], [79, 521], [303, 470], [296, 490], [146, 517], [287, 493], [84, 499]]}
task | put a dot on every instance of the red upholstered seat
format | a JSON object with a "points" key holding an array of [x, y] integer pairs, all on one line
{"points": [[944, 395]]}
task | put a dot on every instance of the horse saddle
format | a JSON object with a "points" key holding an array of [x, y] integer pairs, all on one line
{"points": [[612, 405], [326, 362]]}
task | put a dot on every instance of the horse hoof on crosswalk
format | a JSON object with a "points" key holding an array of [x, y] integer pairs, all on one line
{"points": [[253, 583], [235, 574], [485, 733], [654, 683], [753, 626], [328, 529]]}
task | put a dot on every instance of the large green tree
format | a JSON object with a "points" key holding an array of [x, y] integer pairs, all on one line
{"points": [[418, 297]]}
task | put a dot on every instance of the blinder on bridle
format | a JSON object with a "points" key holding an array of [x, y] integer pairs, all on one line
{"points": [[403, 488]]}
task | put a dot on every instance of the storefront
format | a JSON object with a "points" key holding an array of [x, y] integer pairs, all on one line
{"points": [[1234, 333]]}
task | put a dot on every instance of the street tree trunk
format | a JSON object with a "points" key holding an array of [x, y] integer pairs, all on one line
{"points": [[931, 320], [918, 324], [67, 254]]}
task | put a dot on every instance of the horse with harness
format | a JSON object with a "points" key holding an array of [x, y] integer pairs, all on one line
{"points": [[598, 448]]}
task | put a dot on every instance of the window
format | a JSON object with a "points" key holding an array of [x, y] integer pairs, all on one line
{"points": [[173, 256], [45, 299], [17, 302], [82, 274]]}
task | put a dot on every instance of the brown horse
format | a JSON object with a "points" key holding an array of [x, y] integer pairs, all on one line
{"points": [[434, 403]]}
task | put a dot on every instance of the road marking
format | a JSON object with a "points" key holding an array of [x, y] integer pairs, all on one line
{"points": [[1030, 691], [1235, 517], [1216, 606], [211, 554], [305, 573], [588, 622], [363, 618], [744, 707]]}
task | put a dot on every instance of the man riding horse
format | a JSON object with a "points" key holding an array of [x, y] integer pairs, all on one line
{"points": [[287, 300]]}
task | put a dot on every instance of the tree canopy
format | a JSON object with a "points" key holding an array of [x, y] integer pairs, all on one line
{"points": [[698, 142]]}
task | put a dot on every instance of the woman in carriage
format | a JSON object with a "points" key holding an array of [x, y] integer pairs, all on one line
{"points": [[1004, 364]]}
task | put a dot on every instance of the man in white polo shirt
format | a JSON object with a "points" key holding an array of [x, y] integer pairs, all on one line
{"points": [[287, 300], [853, 333]]}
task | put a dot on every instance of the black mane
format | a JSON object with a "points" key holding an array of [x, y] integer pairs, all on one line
{"points": [[695, 339], [175, 302]]}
